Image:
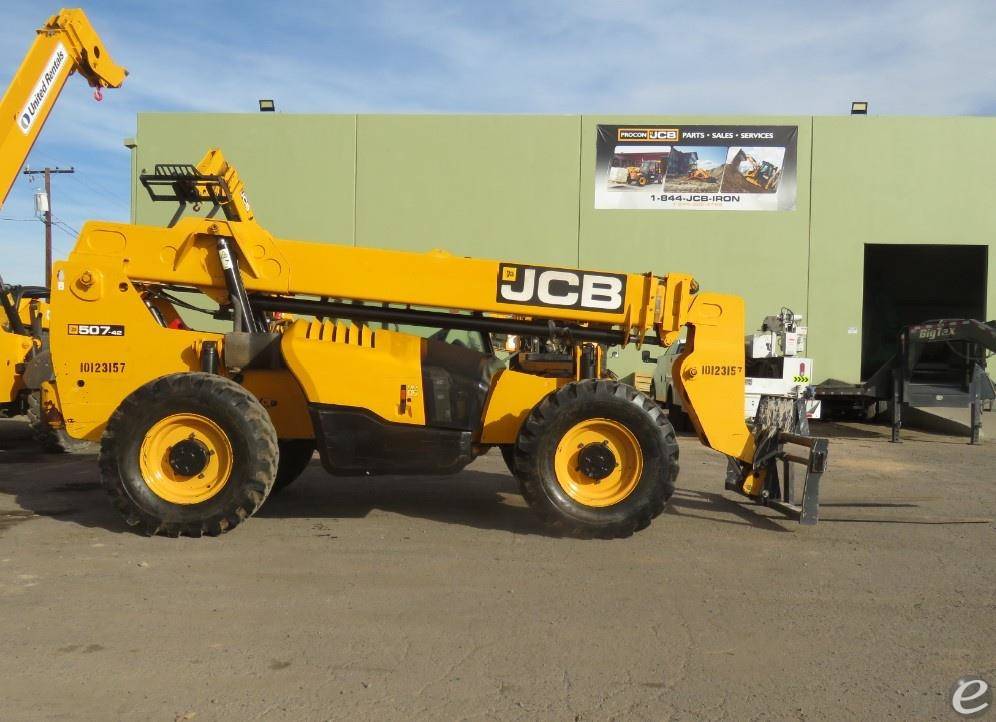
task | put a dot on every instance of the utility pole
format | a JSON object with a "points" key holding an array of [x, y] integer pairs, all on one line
{"points": [[48, 214]]}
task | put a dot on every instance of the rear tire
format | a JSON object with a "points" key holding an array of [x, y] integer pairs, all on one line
{"points": [[219, 424], [295, 456], [592, 414]]}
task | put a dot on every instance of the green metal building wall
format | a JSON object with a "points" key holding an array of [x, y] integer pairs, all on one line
{"points": [[522, 188]]}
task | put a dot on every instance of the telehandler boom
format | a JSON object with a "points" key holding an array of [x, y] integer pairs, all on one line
{"points": [[197, 427], [64, 45]]}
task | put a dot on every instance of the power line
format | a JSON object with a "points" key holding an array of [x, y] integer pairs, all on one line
{"points": [[69, 234], [92, 185], [64, 247], [59, 220], [106, 194]]}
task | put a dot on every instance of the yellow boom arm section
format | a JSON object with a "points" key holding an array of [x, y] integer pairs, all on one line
{"points": [[65, 44]]}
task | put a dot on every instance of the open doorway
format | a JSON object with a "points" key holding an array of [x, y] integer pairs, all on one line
{"points": [[907, 284]]}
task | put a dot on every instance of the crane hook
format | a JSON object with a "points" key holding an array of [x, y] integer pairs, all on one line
{"points": [[98, 94]]}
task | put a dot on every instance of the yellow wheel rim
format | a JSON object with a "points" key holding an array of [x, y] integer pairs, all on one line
{"points": [[612, 488], [161, 476]]}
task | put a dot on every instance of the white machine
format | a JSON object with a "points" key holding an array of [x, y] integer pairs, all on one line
{"points": [[777, 364], [776, 361]]}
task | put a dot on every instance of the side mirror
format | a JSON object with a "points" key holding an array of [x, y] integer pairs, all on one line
{"points": [[647, 358]]}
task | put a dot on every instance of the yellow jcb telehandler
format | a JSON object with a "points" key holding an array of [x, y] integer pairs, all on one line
{"points": [[197, 427], [649, 171]]}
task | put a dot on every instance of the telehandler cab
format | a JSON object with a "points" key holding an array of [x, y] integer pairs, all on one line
{"points": [[197, 427]]}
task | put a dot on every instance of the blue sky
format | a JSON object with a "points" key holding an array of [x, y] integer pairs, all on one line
{"points": [[558, 56]]}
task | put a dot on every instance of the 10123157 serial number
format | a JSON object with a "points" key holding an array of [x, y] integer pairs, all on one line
{"points": [[102, 367], [721, 370]]}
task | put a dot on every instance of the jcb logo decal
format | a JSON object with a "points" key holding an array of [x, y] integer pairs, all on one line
{"points": [[95, 329], [539, 286], [649, 135]]}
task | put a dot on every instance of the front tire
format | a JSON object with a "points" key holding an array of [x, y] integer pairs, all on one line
{"points": [[597, 459], [189, 453]]}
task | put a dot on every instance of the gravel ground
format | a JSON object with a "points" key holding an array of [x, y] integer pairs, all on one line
{"points": [[442, 598]]}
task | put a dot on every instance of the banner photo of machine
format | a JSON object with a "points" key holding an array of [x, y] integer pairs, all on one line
{"points": [[696, 167]]}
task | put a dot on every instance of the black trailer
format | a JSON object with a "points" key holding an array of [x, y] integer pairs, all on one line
{"points": [[939, 363]]}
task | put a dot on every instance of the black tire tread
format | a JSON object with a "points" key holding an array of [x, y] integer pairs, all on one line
{"points": [[526, 461], [295, 457], [254, 490]]}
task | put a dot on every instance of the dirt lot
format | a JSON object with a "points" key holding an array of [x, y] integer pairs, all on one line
{"points": [[442, 598]]}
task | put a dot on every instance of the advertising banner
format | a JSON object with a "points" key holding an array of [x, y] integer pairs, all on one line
{"points": [[696, 167]]}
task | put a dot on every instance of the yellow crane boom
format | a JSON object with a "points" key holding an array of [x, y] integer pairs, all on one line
{"points": [[65, 44]]}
